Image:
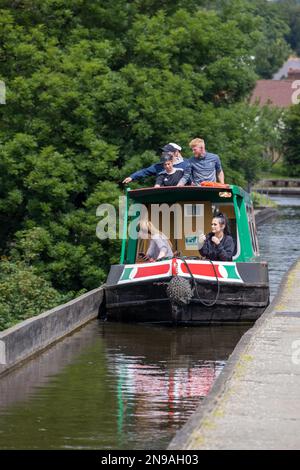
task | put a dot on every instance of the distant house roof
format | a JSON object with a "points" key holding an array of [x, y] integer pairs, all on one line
{"points": [[293, 74], [274, 92]]}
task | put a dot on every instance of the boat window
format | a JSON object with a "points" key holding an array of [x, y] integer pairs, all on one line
{"points": [[191, 210], [183, 227], [181, 223], [228, 210]]}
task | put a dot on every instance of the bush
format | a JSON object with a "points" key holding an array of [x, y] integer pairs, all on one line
{"points": [[24, 294], [261, 200]]}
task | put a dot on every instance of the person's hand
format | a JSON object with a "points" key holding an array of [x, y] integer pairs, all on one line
{"points": [[145, 257], [148, 259], [215, 240], [201, 240], [127, 180]]}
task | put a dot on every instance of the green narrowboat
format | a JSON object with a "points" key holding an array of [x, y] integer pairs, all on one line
{"points": [[186, 289]]}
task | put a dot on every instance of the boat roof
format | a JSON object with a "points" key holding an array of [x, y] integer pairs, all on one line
{"points": [[187, 193]]}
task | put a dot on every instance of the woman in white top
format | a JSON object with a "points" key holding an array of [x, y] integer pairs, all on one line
{"points": [[159, 247]]}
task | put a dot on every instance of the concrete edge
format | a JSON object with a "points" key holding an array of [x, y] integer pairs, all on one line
{"points": [[264, 214], [25, 339], [23, 323], [207, 406], [292, 191]]}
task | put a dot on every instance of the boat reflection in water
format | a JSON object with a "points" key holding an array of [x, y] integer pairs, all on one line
{"points": [[163, 373], [112, 386], [152, 385]]}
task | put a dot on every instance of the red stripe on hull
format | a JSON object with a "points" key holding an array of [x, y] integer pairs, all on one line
{"points": [[144, 271], [201, 270]]}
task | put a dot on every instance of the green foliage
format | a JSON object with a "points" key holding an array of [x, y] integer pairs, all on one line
{"points": [[272, 49], [290, 13], [94, 89], [292, 140], [261, 201], [24, 294], [263, 22]]}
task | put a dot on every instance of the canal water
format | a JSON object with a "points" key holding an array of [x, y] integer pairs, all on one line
{"points": [[117, 386], [279, 239]]}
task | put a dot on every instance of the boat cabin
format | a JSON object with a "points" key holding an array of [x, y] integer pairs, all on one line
{"points": [[182, 213]]}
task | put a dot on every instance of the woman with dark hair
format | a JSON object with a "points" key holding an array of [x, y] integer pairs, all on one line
{"points": [[218, 245]]}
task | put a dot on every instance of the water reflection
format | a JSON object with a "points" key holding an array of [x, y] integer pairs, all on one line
{"points": [[161, 378], [127, 387], [21, 383]]}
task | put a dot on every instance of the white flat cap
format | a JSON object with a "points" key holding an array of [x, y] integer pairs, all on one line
{"points": [[177, 147]]}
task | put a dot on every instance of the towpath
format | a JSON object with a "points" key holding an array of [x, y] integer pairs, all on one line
{"points": [[255, 403]]}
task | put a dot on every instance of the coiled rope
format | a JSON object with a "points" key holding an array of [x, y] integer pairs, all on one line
{"points": [[179, 289]]}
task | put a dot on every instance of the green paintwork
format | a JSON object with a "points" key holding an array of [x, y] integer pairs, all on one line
{"points": [[231, 271], [132, 246], [126, 274], [246, 250], [240, 199], [125, 222]]}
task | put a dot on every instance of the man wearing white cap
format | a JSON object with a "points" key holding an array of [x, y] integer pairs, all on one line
{"points": [[177, 147], [177, 157], [157, 168]]}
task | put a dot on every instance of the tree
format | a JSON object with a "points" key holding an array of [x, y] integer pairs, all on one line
{"points": [[290, 13], [292, 140], [93, 91]]}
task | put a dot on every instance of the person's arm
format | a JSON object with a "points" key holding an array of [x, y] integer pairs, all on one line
{"points": [[144, 173], [225, 251], [127, 180], [219, 171], [163, 253], [204, 251], [201, 240], [162, 246], [220, 176], [186, 176], [150, 252]]}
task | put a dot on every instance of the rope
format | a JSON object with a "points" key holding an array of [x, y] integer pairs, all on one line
{"points": [[203, 301]]}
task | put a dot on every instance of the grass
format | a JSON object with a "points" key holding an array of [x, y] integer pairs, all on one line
{"points": [[261, 200], [276, 171]]}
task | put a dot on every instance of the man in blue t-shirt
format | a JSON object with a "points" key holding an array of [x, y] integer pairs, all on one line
{"points": [[203, 166]]}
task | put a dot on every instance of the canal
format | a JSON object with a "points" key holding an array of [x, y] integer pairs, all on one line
{"points": [[115, 386], [278, 239]]}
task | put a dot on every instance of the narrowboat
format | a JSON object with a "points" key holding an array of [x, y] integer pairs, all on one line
{"points": [[186, 289]]}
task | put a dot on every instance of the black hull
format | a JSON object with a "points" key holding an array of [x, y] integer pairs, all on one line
{"points": [[147, 302]]}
